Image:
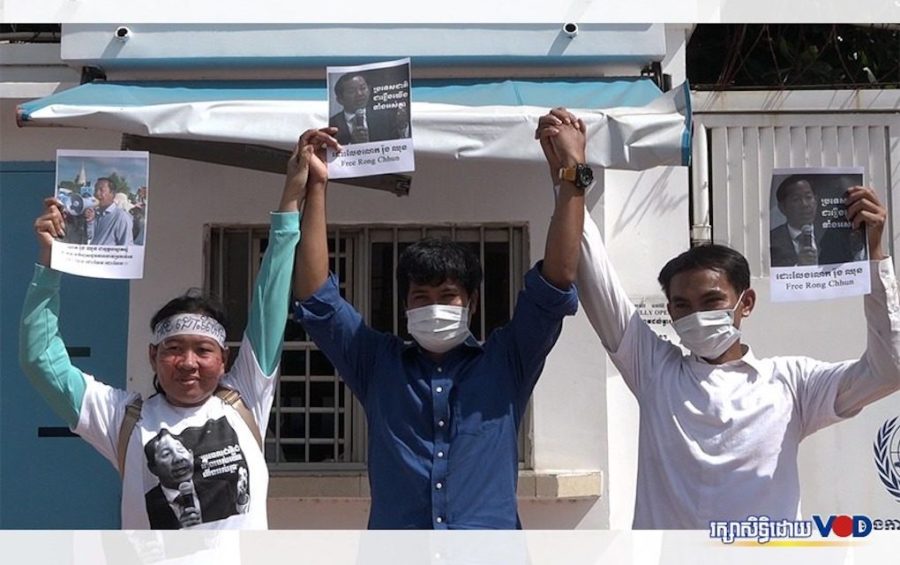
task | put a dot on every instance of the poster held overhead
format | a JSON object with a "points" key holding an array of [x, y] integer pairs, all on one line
{"points": [[815, 252], [104, 196], [369, 105]]}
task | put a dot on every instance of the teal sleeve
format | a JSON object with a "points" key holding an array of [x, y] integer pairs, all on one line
{"points": [[42, 353], [271, 292]]}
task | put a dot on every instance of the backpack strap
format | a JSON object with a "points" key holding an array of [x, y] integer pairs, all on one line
{"points": [[232, 398], [132, 414], [229, 396]]}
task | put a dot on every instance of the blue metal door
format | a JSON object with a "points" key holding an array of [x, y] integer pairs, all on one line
{"points": [[50, 478]]}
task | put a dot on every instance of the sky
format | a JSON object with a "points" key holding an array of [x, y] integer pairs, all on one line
{"points": [[132, 168]]}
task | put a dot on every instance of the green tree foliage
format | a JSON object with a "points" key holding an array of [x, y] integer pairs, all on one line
{"points": [[119, 184], [724, 56]]}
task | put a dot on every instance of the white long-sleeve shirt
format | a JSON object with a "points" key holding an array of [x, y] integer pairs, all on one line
{"points": [[719, 442]]}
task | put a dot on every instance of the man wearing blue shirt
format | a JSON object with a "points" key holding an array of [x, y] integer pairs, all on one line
{"points": [[110, 224], [443, 412]]}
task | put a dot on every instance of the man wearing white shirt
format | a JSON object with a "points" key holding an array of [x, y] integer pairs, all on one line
{"points": [[720, 427]]}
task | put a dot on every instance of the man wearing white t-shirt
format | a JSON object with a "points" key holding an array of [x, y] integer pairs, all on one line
{"points": [[192, 455], [720, 427]]}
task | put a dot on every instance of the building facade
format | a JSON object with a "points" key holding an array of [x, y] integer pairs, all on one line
{"points": [[206, 228]]}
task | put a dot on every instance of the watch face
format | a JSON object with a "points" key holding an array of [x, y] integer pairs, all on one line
{"points": [[584, 176]]}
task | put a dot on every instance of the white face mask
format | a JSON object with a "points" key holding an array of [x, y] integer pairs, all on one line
{"points": [[710, 333], [438, 327]]}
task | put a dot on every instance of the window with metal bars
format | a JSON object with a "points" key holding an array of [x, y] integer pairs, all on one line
{"points": [[315, 423]]}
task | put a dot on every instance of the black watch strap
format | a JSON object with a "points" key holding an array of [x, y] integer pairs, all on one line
{"points": [[580, 175]]}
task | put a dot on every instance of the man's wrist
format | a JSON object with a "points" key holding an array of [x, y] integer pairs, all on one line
{"points": [[567, 161], [580, 175], [289, 205], [44, 257]]}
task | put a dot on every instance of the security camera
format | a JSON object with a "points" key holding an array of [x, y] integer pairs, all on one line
{"points": [[570, 29], [122, 33]]}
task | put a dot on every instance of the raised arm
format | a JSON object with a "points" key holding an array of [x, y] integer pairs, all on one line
{"points": [[271, 292], [602, 296], [562, 138], [42, 353], [877, 374], [604, 301], [607, 306], [311, 269], [335, 326]]}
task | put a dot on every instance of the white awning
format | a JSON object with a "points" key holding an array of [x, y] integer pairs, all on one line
{"points": [[631, 124]]}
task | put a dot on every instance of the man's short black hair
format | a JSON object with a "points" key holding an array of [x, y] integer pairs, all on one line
{"points": [[719, 258], [344, 78], [191, 302], [782, 191], [431, 261], [108, 182]]}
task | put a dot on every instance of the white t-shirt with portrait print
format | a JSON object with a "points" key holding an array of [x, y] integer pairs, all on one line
{"points": [[230, 477]]}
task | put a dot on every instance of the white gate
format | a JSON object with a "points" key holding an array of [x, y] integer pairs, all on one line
{"points": [[747, 135]]}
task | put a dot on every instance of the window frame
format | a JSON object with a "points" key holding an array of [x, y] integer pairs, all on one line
{"points": [[359, 244]]}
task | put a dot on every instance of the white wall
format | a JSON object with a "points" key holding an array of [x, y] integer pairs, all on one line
{"points": [[677, 36], [272, 46], [646, 225]]}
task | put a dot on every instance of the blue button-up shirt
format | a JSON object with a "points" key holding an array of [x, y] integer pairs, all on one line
{"points": [[443, 447], [112, 226]]}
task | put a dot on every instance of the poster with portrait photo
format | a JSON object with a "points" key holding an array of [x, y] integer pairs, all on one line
{"points": [[815, 253], [201, 476], [104, 197], [370, 107]]}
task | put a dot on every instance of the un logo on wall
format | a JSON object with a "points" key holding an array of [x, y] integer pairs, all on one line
{"points": [[887, 456]]}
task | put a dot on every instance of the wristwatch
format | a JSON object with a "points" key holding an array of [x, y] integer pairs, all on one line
{"points": [[580, 175]]}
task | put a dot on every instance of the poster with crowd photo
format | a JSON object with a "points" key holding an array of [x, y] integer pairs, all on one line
{"points": [[370, 107], [815, 253], [104, 196]]}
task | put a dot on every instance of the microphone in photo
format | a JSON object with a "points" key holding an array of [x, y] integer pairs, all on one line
{"points": [[808, 255], [360, 133], [190, 510]]}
